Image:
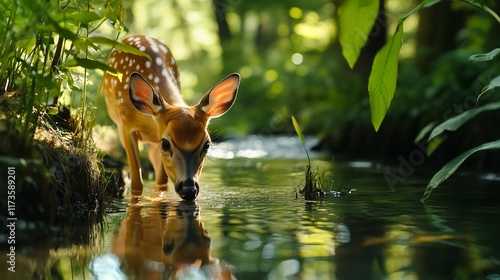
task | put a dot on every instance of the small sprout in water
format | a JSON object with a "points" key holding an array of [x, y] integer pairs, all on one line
{"points": [[310, 189]]}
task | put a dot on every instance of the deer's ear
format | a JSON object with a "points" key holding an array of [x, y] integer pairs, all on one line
{"points": [[143, 97], [221, 97]]}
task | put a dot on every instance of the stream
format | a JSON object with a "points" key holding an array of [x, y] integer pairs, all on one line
{"points": [[249, 222]]}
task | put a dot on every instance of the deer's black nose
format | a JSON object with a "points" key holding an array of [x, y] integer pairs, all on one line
{"points": [[188, 189]]}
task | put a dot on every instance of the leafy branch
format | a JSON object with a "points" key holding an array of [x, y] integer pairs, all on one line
{"points": [[358, 18]]}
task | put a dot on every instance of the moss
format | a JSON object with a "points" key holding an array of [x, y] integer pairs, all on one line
{"points": [[56, 177]]}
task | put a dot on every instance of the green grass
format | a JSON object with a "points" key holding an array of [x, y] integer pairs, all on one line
{"points": [[314, 179], [47, 50]]}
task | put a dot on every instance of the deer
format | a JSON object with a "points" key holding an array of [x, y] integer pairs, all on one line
{"points": [[146, 105]]}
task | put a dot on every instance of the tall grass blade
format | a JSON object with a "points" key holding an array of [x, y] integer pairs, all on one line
{"points": [[301, 137], [298, 131], [453, 165]]}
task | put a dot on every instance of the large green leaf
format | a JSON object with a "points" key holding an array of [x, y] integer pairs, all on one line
{"points": [[383, 77], [103, 41], [454, 123], [453, 165], [356, 19], [492, 85], [480, 57], [89, 64], [384, 74], [76, 17]]}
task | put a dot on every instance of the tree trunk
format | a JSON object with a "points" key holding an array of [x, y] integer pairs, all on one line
{"points": [[220, 18], [376, 40], [437, 30]]}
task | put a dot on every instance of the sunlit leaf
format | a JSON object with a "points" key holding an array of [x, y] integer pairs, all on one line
{"points": [[298, 131], [434, 144], [356, 19], [492, 85], [83, 43], [453, 165], [89, 64], [384, 74], [77, 17], [480, 57], [454, 123], [53, 111], [301, 137], [383, 77], [103, 41], [116, 13], [114, 9]]}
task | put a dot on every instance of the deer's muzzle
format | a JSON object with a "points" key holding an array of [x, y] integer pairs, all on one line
{"points": [[188, 189]]}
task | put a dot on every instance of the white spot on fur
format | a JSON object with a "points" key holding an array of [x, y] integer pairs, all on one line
{"points": [[148, 64], [158, 60], [163, 49], [154, 47]]}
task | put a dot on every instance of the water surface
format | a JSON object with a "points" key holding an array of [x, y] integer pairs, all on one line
{"points": [[249, 223]]}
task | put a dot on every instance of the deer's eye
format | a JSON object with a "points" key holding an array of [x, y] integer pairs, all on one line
{"points": [[205, 147], [165, 145]]}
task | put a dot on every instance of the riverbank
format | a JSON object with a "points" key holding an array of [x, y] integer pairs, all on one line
{"points": [[53, 176]]}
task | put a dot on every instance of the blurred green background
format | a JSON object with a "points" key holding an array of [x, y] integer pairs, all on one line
{"points": [[291, 62]]}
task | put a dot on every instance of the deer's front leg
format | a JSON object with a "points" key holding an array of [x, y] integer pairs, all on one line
{"points": [[129, 141]]}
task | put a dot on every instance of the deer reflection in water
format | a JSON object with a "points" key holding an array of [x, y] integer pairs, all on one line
{"points": [[167, 240]]}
